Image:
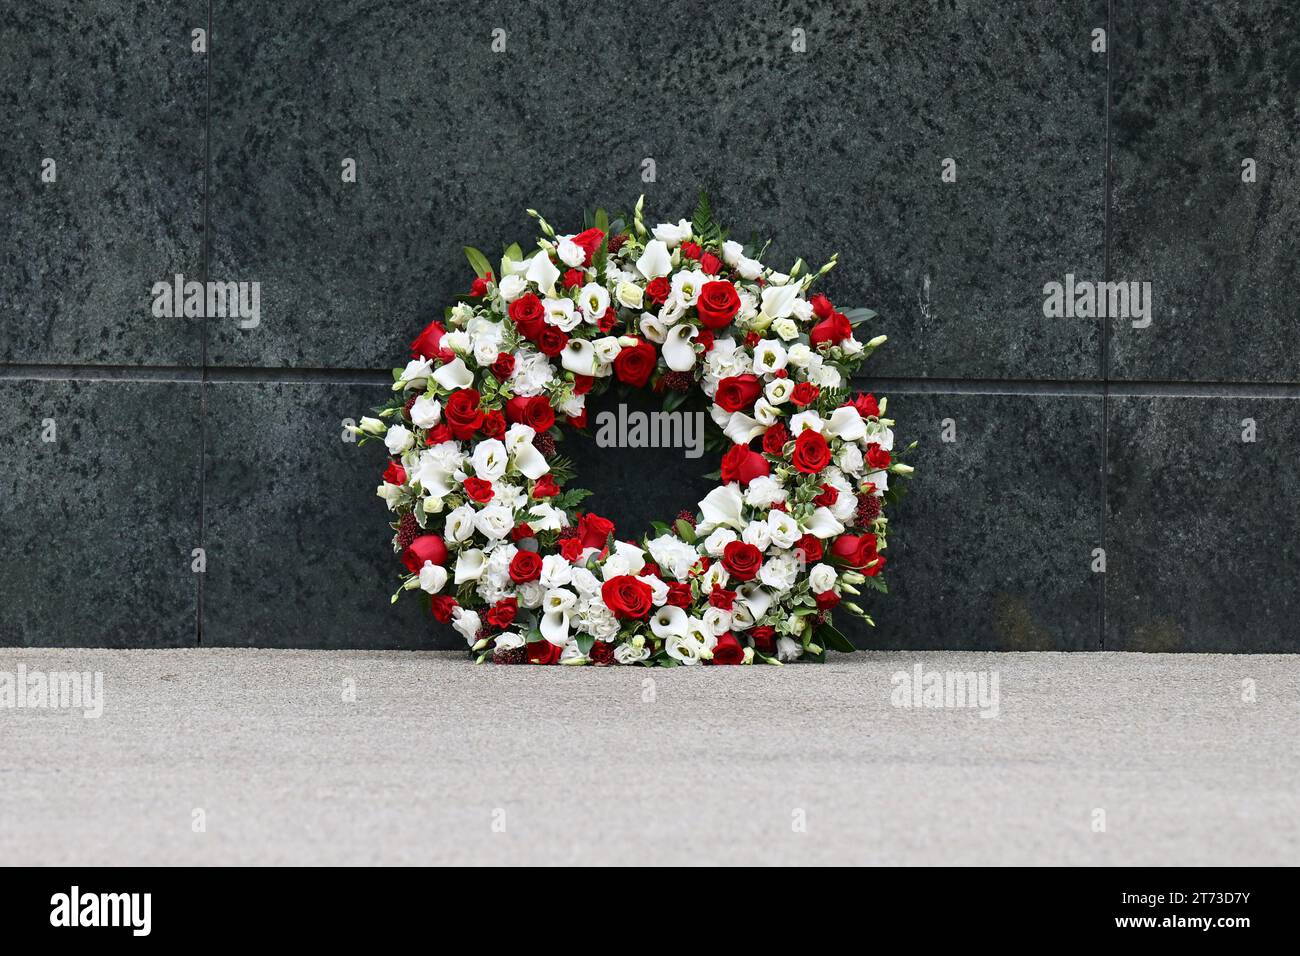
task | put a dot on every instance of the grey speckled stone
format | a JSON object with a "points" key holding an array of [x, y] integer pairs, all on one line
{"points": [[299, 551], [1198, 87], [112, 92], [835, 149], [1201, 526], [96, 528], [993, 539]]}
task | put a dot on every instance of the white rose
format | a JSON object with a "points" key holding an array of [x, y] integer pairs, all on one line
{"points": [[786, 328], [467, 622], [426, 412], [821, 578], [629, 295], [757, 533], [494, 521], [628, 654], [556, 572], [512, 287], [460, 524], [799, 355], [432, 577], [570, 253], [788, 649], [719, 539]]}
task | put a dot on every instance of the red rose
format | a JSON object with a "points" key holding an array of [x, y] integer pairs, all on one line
{"points": [[718, 304], [601, 653], [634, 365], [438, 434], [811, 546], [805, 393], [525, 566], [743, 465], [679, 594], [830, 494], [877, 457], [705, 340], [774, 439], [441, 605], [691, 250], [478, 489], [529, 315], [608, 320], [854, 551], [866, 405], [427, 547], [594, 531], [764, 638], [571, 549], [821, 306], [710, 264], [502, 614], [462, 414], [627, 597], [504, 366], [573, 278], [737, 392], [580, 420], [395, 474], [742, 560], [543, 652], [826, 600], [478, 288], [728, 650], [494, 424], [551, 340], [545, 487], [589, 241], [428, 344], [831, 330], [876, 567], [811, 453], [582, 384], [535, 412], [658, 290], [720, 597], [521, 531]]}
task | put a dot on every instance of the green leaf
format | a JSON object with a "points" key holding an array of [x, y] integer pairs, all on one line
{"points": [[478, 261], [584, 644], [602, 221], [859, 315], [829, 636], [685, 530]]}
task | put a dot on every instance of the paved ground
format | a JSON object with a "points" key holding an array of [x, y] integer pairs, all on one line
{"points": [[604, 767]]}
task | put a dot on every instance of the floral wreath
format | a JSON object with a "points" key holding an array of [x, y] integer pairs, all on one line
{"points": [[491, 535]]}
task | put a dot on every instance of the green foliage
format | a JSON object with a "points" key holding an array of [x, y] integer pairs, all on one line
{"points": [[829, 636], [478, 262], [703, 225]]}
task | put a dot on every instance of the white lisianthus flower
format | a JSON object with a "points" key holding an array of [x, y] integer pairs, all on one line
{"points": [[629, 654], [749, 269], [719, 539], [544, 517], [881, 480], [769, 355], [495, 521], [606, 348], [757, 533], [556, 571], [821, 578], [732, 252], [850, 459], [508, 641], [803, 310], [788, 649], [561, 314], [686, 285], [399, 439], [426, 412], [765, 491], [672, 310], [542, 273], [458, 341], [512, 287], [765, 413], [432, 577], [784, 530], [467, 623], [593, 299], [586, 583], [799, 355], [489, 459], [684, 649], [486, 350], [629, 295], [882, 435], [671, 235], [415, 375], [851, 347], [392, 494], [716, 621], [716, 576], [658, 589], [653, 329], [778, 390], [570, 253], [574, 404], [460, 524]]}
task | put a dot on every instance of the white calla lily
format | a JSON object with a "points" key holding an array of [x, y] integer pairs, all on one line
{"points": [[469, 566], [542, 273], [454, 375], [668, 620], [846, 424], [721, 508], [778, 300], [742, 429], [579, 357], [555, 627], [823, 524], [679, 353]]}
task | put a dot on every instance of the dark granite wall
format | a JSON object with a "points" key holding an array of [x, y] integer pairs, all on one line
{"points": [[128, 441]]}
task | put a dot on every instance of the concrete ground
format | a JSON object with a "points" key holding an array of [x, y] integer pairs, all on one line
{"points": [[259, 757]]}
